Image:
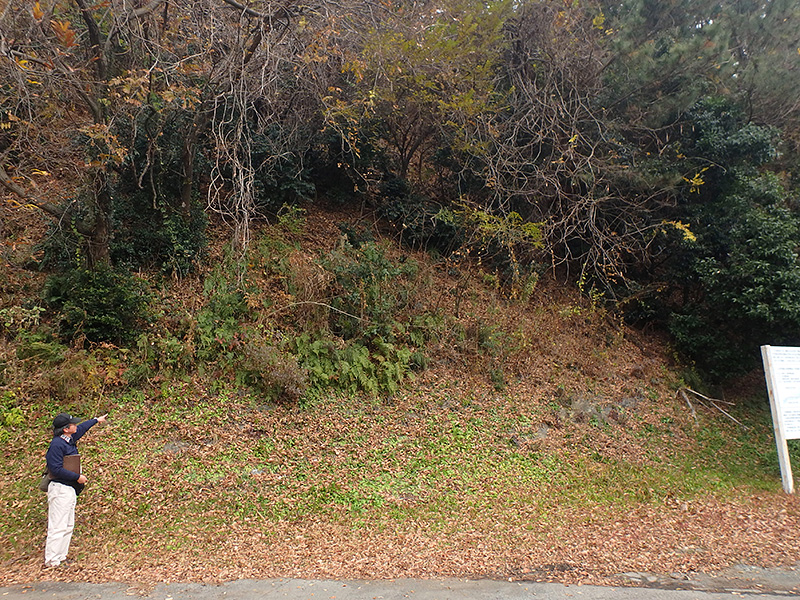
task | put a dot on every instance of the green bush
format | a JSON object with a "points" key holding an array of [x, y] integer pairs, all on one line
{"points": [[154, 163], [61, 249], [721, 134], [41, 347], [732, 277], [336, 167], [280, 178], [747, 280], [149, 227], [415, 217], [425, 327], [11, 415], [291, 219], [218, 323], [104, 305], [372, 290], [353, 367], [148, 234]]}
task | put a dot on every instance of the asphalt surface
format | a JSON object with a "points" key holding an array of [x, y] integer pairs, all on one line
{"points": [[429, 589]]}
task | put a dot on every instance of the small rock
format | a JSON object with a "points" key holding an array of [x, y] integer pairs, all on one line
{"points": [[541, 433], [175, 447]]}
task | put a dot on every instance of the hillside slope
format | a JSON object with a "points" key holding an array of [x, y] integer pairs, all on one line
{"points": [[543, 440]]}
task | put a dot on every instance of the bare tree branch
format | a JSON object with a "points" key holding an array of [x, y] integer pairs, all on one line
{"points": [[54, 210], [147, 8]]}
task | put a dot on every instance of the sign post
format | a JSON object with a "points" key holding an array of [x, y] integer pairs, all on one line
{"points": [[782, 370]]}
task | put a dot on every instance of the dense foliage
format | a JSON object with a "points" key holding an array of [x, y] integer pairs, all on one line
{"points": [[643, 148], [104, 305]]}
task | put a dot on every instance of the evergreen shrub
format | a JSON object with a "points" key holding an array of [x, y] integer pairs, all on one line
{"points": [[150, 235], [218, 323], [371, 290], [415, 216], [104, 305], [280, 179], [11, 415], [731, 282], [41, 347]]}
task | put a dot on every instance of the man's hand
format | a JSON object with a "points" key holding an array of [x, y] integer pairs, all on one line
{"points": [[82, 480], [102, 419]]}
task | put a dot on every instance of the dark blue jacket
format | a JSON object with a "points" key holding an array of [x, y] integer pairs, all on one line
{"points": [[59, 448]]}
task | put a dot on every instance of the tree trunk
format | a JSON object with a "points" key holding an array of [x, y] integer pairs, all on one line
{"points": [[199, 123], [98, 242]]}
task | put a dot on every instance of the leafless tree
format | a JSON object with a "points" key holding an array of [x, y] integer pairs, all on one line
{"points": [[549, 155]]}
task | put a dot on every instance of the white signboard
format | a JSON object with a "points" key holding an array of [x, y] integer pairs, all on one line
{"points": [[782, 370]]}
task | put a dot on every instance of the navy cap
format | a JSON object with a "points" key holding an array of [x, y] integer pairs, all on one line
{"points": [[63, 419]]}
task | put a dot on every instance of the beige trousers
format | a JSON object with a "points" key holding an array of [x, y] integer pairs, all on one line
{"points": [[61, 500]]}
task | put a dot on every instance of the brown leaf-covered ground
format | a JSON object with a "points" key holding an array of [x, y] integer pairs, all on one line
{"points": [[352, 492]]}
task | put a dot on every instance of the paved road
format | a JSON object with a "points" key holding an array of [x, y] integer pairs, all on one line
{"points": [[295, 589]]}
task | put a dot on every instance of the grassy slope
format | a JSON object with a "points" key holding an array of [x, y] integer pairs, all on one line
{"points": [[585, 465]]}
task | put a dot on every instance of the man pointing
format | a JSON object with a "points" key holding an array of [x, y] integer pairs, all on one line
{"points": [[65, 485]]}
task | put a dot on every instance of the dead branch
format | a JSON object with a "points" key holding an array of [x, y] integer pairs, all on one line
{"points": [[50, 208], [254, 13], [682, 392], [147, 8], [713, 403], [698, 394], [312, 303]]}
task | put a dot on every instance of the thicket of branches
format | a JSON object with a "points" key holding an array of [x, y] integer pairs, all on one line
{"points": [[647, 148]]}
